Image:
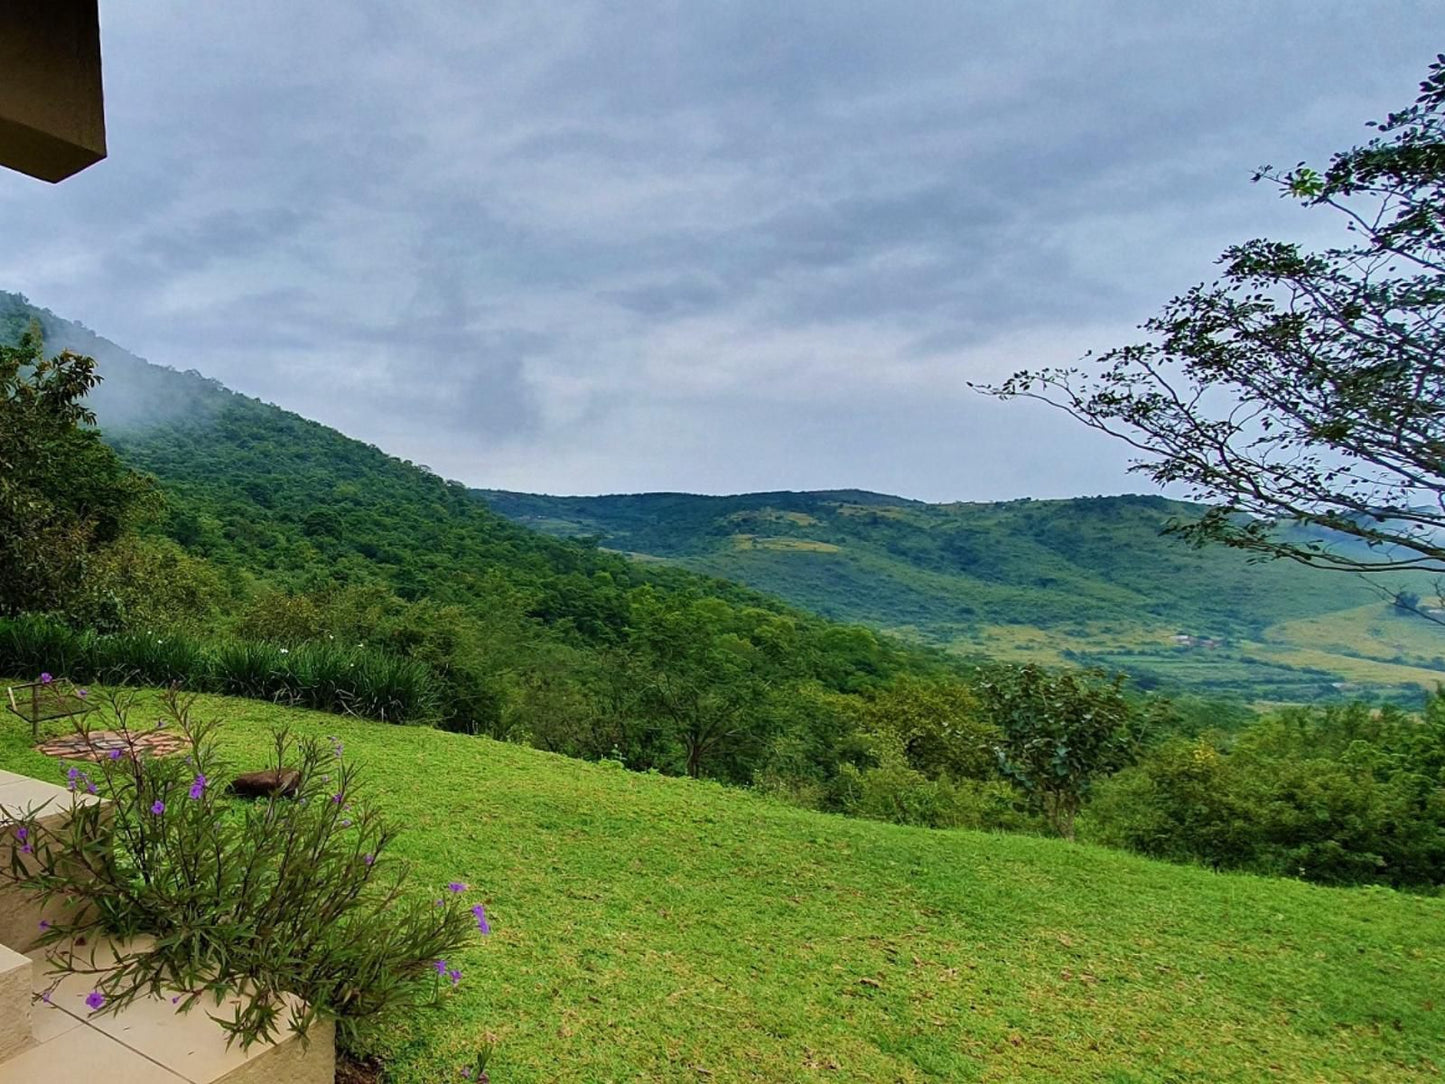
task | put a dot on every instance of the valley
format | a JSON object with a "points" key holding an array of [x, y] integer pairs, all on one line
{"points": [[1090, 581]]}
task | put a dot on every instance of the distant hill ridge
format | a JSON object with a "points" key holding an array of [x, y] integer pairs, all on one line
{"points": [[1094, 580], [1110, 551]]}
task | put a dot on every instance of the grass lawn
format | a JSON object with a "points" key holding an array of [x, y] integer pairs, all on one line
{"points": [[651, 929]]}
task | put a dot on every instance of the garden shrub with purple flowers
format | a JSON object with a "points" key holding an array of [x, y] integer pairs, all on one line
{"points": [[208, 897]]}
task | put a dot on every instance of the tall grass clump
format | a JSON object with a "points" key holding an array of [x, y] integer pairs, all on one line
{"points": [[249, 668], [29, 645], [378, 685], [321, 675], [148, 658]]}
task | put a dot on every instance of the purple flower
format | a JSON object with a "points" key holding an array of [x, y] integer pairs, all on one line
{"points": [[114, 754], [82, 693], [158, 807], [198, 787], [456, 886], [441, 966], [22, 833], [337, 797], [346, 822], [481, 915], [90, 788], [46, 679], [45, 997], [176, 1000], [94, 1000], [44, 925], [455, 975], [369, 859]]}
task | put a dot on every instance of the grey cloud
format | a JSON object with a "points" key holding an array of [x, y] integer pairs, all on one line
{"points": [[585, 246]]}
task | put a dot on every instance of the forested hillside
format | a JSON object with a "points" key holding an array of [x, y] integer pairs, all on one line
{"points": [[1090, 580], [253, 552], [278, 529]]}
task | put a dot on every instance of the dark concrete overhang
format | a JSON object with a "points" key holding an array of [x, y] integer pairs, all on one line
{"points": [[52, 116]]}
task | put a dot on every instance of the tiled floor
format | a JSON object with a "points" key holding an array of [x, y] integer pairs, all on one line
{"points": [[21, 794], [83, 1055], [147, 1041]]}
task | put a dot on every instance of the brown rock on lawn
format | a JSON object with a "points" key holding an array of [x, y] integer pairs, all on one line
{"points": [[265, 784]]}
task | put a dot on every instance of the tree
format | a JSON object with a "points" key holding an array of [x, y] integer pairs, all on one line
{"points": [[1303, 389], [1061, 732], [692, 676], [63, 494], [936, 724]]}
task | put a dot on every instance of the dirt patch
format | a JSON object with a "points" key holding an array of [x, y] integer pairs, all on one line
{"points": [[351, 1070]]}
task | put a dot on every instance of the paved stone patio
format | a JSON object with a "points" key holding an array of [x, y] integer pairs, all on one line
{"points": [[98, 743]]}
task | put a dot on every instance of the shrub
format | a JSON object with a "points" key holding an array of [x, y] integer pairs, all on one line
{"points": [[1178, 804], [1338, 795], [29, 645], [892, 790], [1061, 732], [939, 726], [248, 668], [289, 895], [146, 658]]}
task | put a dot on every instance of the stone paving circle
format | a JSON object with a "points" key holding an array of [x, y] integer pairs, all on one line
{"points": [[98, 743]]}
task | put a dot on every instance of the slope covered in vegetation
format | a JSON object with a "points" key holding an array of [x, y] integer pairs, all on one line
{"points": [[275, 528], [283, 561], [648, 928], [1090, 579]]}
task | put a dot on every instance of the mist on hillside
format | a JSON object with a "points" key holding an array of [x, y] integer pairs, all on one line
{"points": [[133, 394]]}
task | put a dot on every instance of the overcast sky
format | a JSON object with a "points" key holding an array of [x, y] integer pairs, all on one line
{"points": [[712, 246]]}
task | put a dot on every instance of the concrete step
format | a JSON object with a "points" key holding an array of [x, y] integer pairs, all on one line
{"points": [[151, 1041], [15, 986], [20, 795]]}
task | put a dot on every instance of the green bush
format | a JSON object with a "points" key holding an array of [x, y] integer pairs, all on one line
{"points": [[288, 895], [894, 791], [1338, 795], [148, 658], [1062, 732], [248, 668]]}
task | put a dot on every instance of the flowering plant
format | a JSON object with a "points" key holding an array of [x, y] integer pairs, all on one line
{"points": [[290, 904]]}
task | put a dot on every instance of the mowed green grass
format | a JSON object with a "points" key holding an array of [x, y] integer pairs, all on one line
{"points": [[652, 929]]}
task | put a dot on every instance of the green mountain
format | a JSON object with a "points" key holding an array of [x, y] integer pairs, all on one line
{"points": [[275, 501], [1092, 580]]}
